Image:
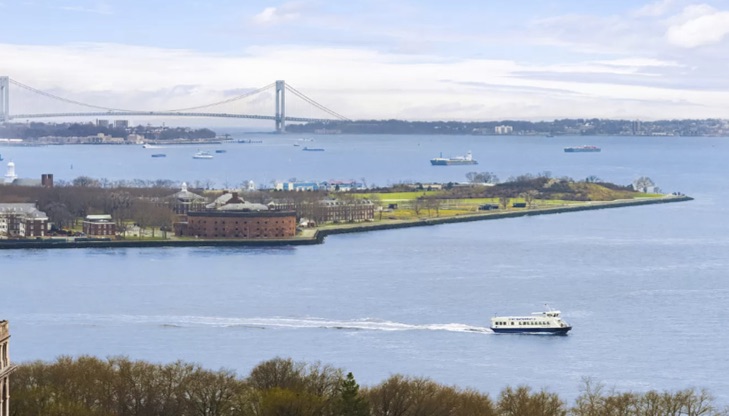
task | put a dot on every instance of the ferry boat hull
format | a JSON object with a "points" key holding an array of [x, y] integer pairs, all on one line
{"points": [[546, 331], [450, 162]]}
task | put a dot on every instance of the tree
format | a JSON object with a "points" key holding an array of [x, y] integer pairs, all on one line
{"points": [[504, 202], [529, 197], [482, 177], [522, 402], [85, 181], [643, 184], [59, 214], [349, 401]]}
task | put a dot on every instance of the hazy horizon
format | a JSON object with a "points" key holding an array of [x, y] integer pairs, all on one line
{"points": [[418, 61]]}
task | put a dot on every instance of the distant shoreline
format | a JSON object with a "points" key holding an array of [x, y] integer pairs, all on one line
{"points": [[317, 237]]}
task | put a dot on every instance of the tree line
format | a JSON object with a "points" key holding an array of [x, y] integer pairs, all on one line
{"points": [[118, 386]]}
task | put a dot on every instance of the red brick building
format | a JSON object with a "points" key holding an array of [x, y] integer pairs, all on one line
{"points": [[240, 224], [5, 369], [99, 225], [231, 217], [22, 220]]}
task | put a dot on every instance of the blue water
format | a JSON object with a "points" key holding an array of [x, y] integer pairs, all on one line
{"points": [[645, 288]]}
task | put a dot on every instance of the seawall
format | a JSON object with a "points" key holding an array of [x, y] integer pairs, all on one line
{"points": [[318, 236], [363, 227]]}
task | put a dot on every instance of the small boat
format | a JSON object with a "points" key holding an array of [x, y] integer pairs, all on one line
{"points": [[547, 322], [295, 144], [221, 151], [312, 149], [579, 149], [150, 146], [202, 155], [458, 160], [159, 155]]}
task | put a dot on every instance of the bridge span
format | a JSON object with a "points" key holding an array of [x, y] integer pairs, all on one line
{"points": [[279, 117]]}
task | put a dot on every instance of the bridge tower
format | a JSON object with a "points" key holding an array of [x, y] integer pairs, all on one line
{"points": [[4, 99], [280, 106]]}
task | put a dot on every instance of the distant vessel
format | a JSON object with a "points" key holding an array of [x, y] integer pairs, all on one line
{"points": [[159, 155], [312, 149], [547, 322], [1, 157], [221, 151], [151, 146], [243, 141], [458, 160], [202, 155], [586, 148]]}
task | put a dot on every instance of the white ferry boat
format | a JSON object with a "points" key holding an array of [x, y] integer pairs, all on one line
{"points": [[202, 155], [547, 322]]}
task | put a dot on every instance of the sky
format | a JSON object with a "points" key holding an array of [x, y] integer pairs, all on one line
{"points": [[469, 60]]}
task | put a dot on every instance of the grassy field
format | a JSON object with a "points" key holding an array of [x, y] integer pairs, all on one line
{"points": [[408, 207]]}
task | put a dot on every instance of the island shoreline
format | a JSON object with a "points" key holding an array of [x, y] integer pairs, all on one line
{"points": [[320, 234]]}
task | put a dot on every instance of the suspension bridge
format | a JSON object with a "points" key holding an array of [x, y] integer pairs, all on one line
{"points": [[274, 93]]}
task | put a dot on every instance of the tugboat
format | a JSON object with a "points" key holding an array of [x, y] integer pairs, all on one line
{"points": [[547, 322]]}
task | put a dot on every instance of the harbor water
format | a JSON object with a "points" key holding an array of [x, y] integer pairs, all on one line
{"points": [[643, 287]]}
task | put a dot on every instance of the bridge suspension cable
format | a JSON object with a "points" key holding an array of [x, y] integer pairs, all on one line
{"points": [[55, 97], [314, 103], [226, 101]]}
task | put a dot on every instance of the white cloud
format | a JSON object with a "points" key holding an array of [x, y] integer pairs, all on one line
{"points": [[287, 12], [358, 83], [699, 26], [655, 9]]}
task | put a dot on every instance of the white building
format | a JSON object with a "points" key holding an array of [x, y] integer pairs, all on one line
{"points": [[10, 175], [503, 129]]}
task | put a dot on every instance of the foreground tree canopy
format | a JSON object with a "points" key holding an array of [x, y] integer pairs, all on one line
{"points": [[88, 386]]}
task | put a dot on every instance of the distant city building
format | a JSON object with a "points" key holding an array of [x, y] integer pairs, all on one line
{"points": [[503, 129], [5, 368], [297, 186], [319, 186], [102, 123], [99, 225], [121, 124], [22, 220], [135, 138], [250, 186], [636, 128]]}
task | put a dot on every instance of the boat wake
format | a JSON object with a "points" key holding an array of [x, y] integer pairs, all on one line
{"points": [[366, 324]]}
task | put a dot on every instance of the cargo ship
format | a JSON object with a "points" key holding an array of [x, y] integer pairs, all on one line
{"points": [[585, 148], [458, 160]]}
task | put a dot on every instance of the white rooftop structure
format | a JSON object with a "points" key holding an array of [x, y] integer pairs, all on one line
{"points": [[10, 175]]}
